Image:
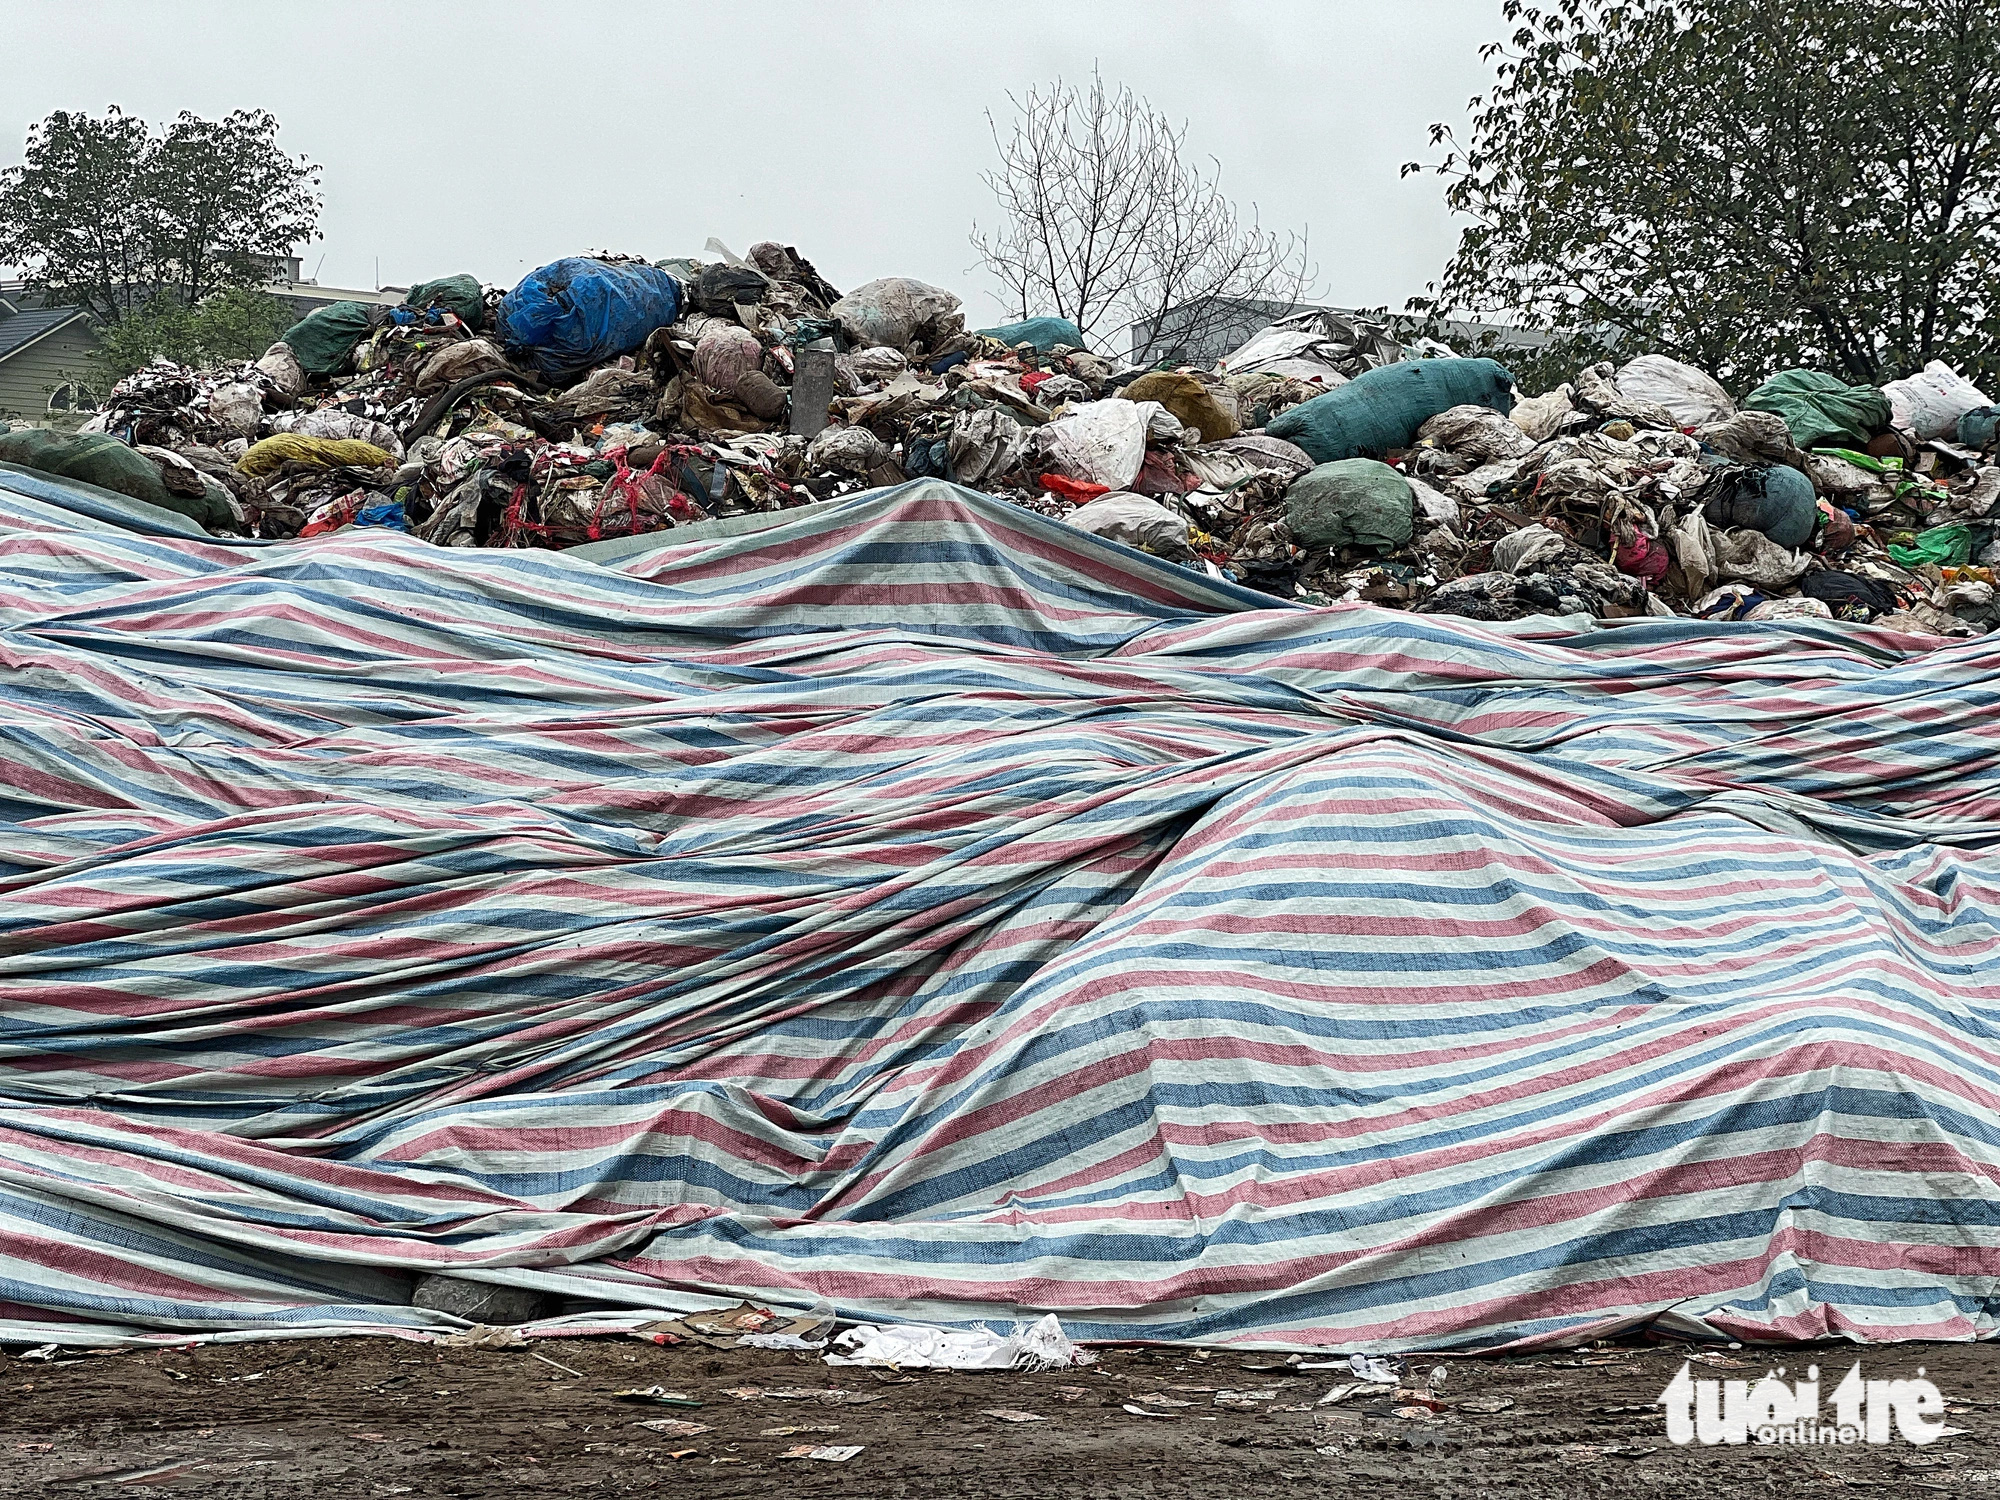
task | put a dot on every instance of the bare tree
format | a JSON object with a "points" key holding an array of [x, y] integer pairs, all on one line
{"points": [[1105, 223]]}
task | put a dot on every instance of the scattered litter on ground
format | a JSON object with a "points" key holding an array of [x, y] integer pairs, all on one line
{"points": [[824, 1455], [658, 1396], [1041, 1345], [669, 1427]]}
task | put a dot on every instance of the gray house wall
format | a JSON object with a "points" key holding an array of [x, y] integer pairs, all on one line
{"points": [[27, 376]]}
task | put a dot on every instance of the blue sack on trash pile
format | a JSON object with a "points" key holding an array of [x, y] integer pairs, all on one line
{"points": [[579, 312], [1043, 333], [1382, 408], [389, 513]]}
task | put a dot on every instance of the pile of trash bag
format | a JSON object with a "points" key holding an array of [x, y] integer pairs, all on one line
{"points": [[1323, 461]]}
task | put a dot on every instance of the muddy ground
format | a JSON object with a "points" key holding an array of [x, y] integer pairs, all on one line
{"points": [[339, 1418]]}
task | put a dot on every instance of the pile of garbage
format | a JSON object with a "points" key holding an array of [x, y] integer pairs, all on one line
{"points": [[1324, 461]]}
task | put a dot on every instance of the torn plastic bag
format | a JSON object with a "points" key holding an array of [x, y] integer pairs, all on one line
{"points": [[282, 368], [1751, 557], [1752, 437], [984, 445], [1476, 432], [905, 1346], [237, 407], [722, 287], [852, 450], [1541, 417]]}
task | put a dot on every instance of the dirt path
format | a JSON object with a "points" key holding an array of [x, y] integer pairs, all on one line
{"points": [[342, 1418]]}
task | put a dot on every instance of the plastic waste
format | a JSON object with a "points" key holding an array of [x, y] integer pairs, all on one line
{"points": [[1041, 1345], [898, 311], [1693, 396], [1822, 411], [1382, 409], [1929, 403], [1135, 521], [1039, 334], [1100, 442], [578, 312], [1351, 502], [1189, 400]]}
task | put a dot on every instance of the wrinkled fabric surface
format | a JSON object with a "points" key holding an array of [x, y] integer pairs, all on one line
{"points": [[919, 903]]}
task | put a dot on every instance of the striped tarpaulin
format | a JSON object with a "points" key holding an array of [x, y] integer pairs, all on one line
{"points": [[920, 904]]}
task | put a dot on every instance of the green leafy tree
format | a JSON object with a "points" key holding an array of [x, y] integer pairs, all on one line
{"points": [[108, 216], [225, 203], [71, 216], [234, 324], [1747, 185]]}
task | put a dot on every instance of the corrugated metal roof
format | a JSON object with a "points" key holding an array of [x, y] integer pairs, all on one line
{"points": [[23, 328]]}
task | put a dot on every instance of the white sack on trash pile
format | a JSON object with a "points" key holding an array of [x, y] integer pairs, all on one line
{"points": [[1751, 557], [1532, 549], [1541, 417], [1691, 395], [283, 369], [984, 445], [854, 450], [1135, 521], [897, 311], [1476, 432], [1929, 403], [1099, 442], [238, 407]]}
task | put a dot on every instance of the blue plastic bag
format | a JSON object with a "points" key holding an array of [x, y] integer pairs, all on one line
{"points": [[579, 312], [1042, 333], [1382, 408]]}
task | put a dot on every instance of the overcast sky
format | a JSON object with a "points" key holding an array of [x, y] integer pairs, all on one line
{"points": [[494, 137]]}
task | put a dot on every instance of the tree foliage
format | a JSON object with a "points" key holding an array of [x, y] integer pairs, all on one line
{"points": [[236, 323], [1748, 185], [1105, 222], [106, 215]]}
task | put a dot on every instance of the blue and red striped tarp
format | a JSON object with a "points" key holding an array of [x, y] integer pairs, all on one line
{"points": [[919, 904]]}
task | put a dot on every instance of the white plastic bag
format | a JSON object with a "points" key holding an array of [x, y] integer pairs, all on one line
{"points": [[1031, 1346], [984, 445], [1135, 521], [1929, 403], [283, 369], [1475, 432], [1099, 442], [897, 311], [1690, 394]]}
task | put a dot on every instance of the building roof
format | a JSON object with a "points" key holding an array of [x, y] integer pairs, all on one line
{"points": [[18, 330]]}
